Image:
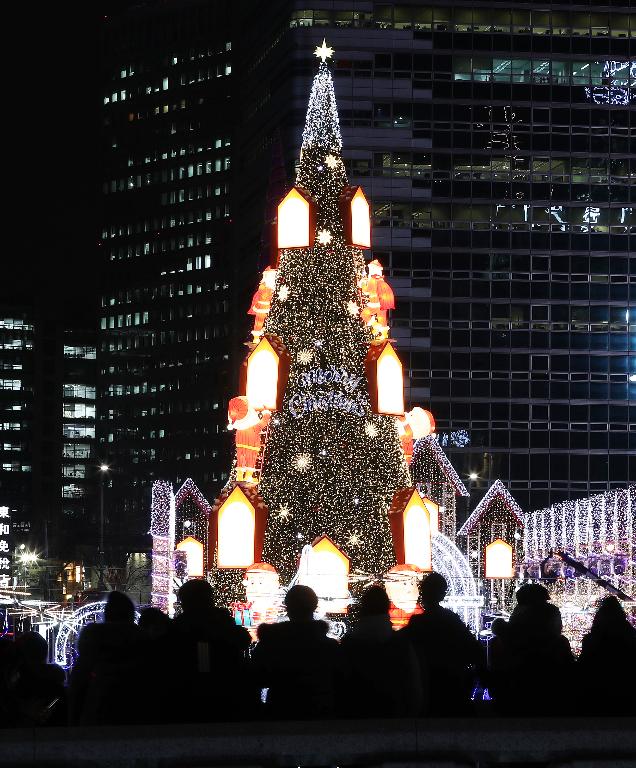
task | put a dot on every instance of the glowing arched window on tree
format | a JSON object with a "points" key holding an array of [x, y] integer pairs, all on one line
{"points": [[295, 225], [356, 218], [325, 569], [390, 383], [499, 560], [261, 387], [417, 533], [360, 220], [194, 556], [384, 374], [235, 532]]}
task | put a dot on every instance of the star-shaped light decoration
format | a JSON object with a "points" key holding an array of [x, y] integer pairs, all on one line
{"points": [[283, 293], [354, 539], [352, 308], [324, 237], [302, 462], [331, 161], [370, 430], [323, 51], [305, 356], [283, 512]]}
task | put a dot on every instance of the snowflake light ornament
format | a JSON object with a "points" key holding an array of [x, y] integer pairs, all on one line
{"points": [[324, 237], [352, 308], [305, 356], [283, 512], [370, 430], [331, 162], [302, 462], [283, 293]]}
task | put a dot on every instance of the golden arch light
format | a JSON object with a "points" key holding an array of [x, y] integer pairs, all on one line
{"points": [[194, 556], [296, 220], [386, 379], [499, 560]]}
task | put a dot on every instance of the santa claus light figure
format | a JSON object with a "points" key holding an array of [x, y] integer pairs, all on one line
{"points": [[262, 589], [402, 585], [415, 424], [380, 299], [261, 301], [248, 425]]}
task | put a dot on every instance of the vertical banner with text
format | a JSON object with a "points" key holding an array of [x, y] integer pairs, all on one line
{"points": [[6, 548]]}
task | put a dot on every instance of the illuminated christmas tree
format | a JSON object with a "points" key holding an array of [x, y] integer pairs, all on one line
{"points": [[321, 433]]}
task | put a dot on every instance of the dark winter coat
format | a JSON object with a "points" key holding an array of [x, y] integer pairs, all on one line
{"points": [[300, 667], [445, 649], [382, 673]]}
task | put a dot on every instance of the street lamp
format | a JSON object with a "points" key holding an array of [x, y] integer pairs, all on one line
{"points": [[473, 476], [103, 469]]}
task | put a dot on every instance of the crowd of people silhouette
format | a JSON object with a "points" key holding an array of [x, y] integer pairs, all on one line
{"points": [[202, 667]]}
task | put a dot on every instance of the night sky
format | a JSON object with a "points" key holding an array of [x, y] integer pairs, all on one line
{"points": [[54, 161]]}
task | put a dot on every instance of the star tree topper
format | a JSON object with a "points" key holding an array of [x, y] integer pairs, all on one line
{"points": [[323, 51]]}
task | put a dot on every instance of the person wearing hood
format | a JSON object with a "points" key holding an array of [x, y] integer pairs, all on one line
{"points": [[383, 674], [296, 665]]}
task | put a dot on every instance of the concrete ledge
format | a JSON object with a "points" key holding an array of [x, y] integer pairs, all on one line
{"points": [[571, 743]]}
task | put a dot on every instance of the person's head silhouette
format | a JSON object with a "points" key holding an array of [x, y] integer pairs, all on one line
{"points": [[433, 589], [196, 595], [119, 609], [374, 601], [610, 616], [301, 602], [532, 594]]}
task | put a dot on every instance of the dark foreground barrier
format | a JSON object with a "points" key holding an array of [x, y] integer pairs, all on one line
{"points": [[562, 743]]}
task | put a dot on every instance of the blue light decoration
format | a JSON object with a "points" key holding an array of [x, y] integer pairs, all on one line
{"points": [[621, 77], [459, 438]]}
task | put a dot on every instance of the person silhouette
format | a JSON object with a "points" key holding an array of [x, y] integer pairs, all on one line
{"points": [[607, 664], [207, 651], [296, 663], [382, 674], [537, 656], [445, 648], [104, 677]]}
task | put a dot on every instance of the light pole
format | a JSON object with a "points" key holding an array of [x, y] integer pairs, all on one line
{"points": [[103, 469]]}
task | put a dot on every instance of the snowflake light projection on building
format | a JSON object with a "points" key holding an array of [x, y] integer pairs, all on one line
{"points": [[620, 84]]}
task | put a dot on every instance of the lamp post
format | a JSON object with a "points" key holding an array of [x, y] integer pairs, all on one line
{"points": [[103, 469]]}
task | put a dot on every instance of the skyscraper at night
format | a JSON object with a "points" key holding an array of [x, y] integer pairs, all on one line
{"points": [[495, 143]]}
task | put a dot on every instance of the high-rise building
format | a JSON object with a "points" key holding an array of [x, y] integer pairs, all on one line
{"points": [[166, 314], [495, 142]]}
